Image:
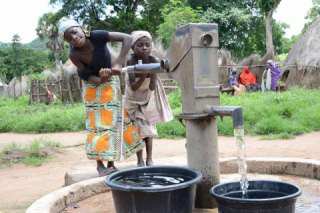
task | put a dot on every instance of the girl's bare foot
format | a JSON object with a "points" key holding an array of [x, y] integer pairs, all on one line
{"points": [[149, 162], [140, 164]]}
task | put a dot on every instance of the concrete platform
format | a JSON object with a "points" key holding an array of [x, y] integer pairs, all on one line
{"points": [[84, 183], [290, 166]]}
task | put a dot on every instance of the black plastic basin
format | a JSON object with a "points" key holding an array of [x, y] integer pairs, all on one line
{"points": [[155, 189], [264, 196]]}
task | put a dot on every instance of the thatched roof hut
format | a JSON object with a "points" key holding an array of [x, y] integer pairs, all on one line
{"points": [[302, 65]]}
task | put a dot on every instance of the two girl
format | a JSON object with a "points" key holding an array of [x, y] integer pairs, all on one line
{"points": [[111, 135]]}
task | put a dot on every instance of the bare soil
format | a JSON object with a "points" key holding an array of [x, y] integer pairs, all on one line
{"points": [[21, 185]]}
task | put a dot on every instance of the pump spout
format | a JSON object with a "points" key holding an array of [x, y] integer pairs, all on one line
{"points": [[143, 68], [234, 111]]}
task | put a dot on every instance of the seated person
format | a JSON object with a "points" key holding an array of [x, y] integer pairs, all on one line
{"points": [[234, 84], [248, 79]]}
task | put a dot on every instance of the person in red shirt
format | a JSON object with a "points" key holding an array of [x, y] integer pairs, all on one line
{"points": [[248, 79]]}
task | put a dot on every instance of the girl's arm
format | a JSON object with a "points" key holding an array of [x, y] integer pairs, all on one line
{"points": [[125, 39], [132, 77]]}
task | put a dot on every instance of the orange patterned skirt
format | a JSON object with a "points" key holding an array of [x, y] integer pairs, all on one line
{"points": [[111, 134]]}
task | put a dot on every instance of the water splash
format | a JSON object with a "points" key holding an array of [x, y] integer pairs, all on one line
{"points": [[242, 160]]}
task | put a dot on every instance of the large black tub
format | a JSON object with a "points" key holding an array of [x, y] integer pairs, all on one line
{"points": [[263, 196], [155, 189]]}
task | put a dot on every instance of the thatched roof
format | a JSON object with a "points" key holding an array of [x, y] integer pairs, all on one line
{"points": [[306, 51], [303, 59]]}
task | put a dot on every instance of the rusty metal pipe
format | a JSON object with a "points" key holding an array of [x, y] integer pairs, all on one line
{"points": [[234, 111]]}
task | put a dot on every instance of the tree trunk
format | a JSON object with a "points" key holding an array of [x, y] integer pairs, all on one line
{"points": [[269, 41], [57, 58]]}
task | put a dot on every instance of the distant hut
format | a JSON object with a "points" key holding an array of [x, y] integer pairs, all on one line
{"points": [[302, 65], [3, 89]]}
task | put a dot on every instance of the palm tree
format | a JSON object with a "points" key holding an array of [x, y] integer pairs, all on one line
{"points": [[47, 29]]}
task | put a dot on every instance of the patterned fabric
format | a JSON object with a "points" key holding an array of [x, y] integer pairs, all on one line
{"points": [[104, 123], [275, 76]]}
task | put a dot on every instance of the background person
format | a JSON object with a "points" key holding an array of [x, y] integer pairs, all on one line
{"points": [[234, 84], [270, 77], [248, 79]]}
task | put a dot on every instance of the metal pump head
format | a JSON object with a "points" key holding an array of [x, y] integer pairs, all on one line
{"points": [[192, 60]]}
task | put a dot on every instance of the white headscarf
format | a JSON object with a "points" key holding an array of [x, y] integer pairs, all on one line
{"points": [[64, 24], [139, 34], [270, 62]]}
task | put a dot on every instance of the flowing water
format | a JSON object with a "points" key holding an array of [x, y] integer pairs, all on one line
{"points": [[242, 160]]}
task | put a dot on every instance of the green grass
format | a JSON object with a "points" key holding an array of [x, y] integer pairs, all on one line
{"points": [[271, 115], [19, 116], [35, 154], [282, 115]]}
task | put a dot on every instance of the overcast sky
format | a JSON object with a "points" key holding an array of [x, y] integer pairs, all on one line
{"points": [[21, 17]]}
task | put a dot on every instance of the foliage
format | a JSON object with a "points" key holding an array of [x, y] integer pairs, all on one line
{"points": [[18, 116], [120, 16], [47, 30], [175, 14], [314, 11], [312, 15], [268, 5], [21, 60], [238, 28], [282, 57], [34, 154], [271, 114], [288, 43], [287, 113], [37, 44], [174, 128], [241, 23], [16, 50]]}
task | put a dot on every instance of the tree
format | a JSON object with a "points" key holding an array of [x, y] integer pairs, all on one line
{"points": [[47, 30], [16, 56], [114, 15], [312, 15], [175, 14], [91, 12], [240, 25], [3, 66], [267, 8], [20, 59]]}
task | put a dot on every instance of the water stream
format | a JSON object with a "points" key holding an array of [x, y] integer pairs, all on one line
{"points": [[242, 160]]}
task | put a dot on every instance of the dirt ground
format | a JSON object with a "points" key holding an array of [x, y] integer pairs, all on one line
{"points": [[21, 185]]}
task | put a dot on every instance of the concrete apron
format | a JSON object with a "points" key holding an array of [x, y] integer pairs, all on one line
{"points": [[82, 183]]}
